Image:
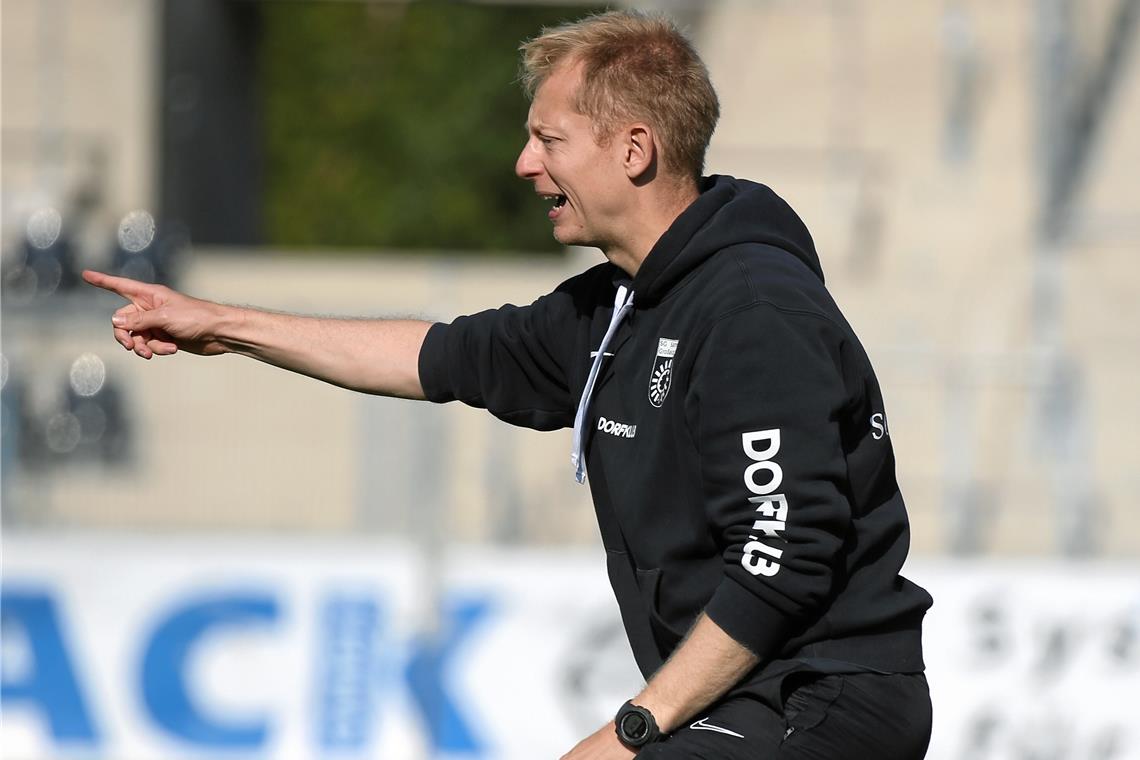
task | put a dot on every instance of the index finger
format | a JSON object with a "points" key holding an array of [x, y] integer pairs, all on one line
{"points": [[123, 286]]}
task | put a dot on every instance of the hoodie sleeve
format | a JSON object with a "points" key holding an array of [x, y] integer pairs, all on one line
{"points": [[765, 401], [511, 361]]}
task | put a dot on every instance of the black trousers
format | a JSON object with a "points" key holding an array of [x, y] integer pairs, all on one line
{"points": [[860, 716]]}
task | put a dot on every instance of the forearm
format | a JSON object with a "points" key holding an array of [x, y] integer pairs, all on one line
{"points": [[705, 666], [378, 356]]}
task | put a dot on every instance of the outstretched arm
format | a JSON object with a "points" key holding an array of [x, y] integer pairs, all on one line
{"points": [[369, 355]]}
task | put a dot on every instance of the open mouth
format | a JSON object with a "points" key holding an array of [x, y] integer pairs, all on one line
{"points": [[557, 201]]}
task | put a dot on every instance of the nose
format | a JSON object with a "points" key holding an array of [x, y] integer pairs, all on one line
{"points": [[528, 166]]}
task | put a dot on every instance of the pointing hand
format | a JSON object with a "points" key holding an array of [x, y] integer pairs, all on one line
{"points": [[160, 321]]}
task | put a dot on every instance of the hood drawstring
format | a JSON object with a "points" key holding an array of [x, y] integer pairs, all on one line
{"points": [[622, 306]]}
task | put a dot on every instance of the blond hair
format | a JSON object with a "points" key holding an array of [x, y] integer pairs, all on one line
{"points": [[636, 66]]}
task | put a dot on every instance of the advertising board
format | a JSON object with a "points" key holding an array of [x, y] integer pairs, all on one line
{"points": [[157, 647]]}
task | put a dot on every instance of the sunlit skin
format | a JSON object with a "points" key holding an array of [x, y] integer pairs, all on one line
{"points": [[617, 197]]}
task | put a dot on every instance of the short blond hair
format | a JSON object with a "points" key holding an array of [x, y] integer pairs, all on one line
{"points": [[636, 66]]}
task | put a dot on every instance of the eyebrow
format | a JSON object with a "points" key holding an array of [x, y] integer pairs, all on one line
{"points": [[538, 127]]}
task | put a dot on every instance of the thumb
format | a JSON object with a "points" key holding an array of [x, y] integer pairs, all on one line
{"points": [[135, 320]]}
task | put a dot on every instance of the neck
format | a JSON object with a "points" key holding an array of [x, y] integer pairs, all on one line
{"points": [[653, 212]]}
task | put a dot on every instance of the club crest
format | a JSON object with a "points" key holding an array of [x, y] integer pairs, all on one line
{"points": [[662, 376]]}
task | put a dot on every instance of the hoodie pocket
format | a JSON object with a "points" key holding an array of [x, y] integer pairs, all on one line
{"points": [[649, 584], [807, 704]]}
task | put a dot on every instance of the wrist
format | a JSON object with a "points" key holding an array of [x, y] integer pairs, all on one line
{"points": [[666, 715], [231, 327]]}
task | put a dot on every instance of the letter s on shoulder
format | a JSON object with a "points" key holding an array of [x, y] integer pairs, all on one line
{"points": [[879, 423]]}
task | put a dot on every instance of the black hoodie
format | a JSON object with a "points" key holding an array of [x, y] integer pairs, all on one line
{"points": [[736, 442]]}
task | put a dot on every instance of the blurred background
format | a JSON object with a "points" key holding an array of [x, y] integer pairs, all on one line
{"points": [[209, 556]]}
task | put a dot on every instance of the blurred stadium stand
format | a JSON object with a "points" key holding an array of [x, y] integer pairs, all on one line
{"points": [[967, 170]]}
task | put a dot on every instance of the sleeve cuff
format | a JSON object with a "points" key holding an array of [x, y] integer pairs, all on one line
{"points": [[434, 377], [747, 618]]}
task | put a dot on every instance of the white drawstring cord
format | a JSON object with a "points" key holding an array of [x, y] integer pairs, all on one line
{"points": [[622, 305]]}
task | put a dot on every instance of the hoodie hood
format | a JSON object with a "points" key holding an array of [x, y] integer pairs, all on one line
{"points": [[728, 212]]}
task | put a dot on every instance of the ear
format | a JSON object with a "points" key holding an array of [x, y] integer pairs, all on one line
{"points": [[639, 151]]}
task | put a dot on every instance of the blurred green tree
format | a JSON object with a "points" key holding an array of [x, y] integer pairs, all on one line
{"points": [[397, 126]]}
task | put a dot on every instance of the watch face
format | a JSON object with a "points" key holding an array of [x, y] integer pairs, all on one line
{"points": [[634, 726]]}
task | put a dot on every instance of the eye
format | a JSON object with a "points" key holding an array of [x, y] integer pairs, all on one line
{"points": [[546, 140]]}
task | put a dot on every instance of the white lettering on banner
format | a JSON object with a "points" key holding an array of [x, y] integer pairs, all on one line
{"points": [[761, 446], [879, 423], [615, 428]]}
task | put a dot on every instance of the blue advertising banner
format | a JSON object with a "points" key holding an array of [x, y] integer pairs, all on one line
{"points": [[147, 647]]}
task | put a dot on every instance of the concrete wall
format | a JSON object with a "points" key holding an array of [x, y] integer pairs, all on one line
{"points": [[79, 108]]}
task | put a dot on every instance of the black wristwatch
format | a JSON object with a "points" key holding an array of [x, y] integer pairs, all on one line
{"points": [[635, 726]]}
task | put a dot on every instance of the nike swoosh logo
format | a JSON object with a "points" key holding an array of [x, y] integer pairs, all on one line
{"points": [[703, 725]]}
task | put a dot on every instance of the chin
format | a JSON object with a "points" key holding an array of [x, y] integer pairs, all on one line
{"points": [[574, 237], [565, 238]]}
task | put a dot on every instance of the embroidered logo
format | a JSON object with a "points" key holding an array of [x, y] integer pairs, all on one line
{"points": [[662, 376]]}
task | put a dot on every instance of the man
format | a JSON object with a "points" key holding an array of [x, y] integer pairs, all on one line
{"points": [[730, 422]]}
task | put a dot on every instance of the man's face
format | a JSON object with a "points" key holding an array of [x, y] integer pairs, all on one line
{"points": [[585, 183]]}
